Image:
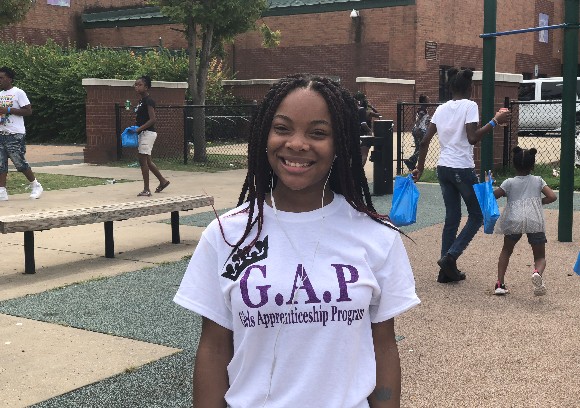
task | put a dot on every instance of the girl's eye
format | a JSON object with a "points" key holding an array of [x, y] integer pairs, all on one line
{"points": [[280, 129], [319, 134]]}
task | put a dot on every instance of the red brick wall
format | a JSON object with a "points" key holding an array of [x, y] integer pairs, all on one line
{"points": [[102, 136], [248, 91], [62, 24], [384, 97], [141, 36]]}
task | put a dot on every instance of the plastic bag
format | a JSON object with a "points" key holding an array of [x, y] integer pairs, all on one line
{"points": [[577, 266], [405, 200], [129, 137], [487, 203]]}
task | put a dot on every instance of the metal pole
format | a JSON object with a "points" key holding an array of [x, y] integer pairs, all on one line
{"points": [[118, 130], [570, 67], [488, 83]]}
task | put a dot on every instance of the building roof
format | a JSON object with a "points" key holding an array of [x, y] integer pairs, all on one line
{"points": [[124, 18], [288, 7], [152, 15]]}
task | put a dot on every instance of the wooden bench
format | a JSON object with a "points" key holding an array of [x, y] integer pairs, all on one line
{"points": [[28, 223]]}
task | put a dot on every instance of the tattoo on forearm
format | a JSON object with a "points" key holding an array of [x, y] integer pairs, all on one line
{"points": [[383, 394]]}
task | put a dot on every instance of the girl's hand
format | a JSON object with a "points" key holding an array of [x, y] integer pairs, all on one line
{"points": [[416, 173]]}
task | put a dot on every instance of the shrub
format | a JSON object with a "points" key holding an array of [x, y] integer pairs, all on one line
{"points": [[52, 75]]}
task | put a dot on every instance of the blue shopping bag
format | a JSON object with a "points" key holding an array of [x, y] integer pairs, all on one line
{"points": [[405, 200], [129, 137], [487, 203], [577, 266]]}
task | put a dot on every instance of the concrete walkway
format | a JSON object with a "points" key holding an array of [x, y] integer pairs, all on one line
{"points": [[90, 331]]}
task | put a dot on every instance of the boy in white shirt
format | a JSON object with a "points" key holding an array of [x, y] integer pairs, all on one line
{"points": [[14, 105]]}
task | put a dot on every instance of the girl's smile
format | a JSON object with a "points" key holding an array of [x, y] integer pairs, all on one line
{"points": [[301, 143]]}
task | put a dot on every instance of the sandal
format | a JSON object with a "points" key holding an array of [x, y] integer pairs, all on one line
{"points": [[161, 187], [144, 193]]}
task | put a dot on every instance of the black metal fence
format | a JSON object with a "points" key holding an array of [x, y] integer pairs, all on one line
{"points": [[533, 124], [223, 134], [406, 116], [538, 125]]}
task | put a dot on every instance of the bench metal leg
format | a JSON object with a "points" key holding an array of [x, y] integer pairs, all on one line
{"points": [[109, 240], [175, 238], [29, 264]]}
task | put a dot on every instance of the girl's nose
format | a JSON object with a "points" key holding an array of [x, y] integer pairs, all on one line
{"points": [[297, 142]]}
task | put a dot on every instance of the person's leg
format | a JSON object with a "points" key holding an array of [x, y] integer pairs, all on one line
{"points": [[538, 243], [29, 174], [3, 161], [144, 163], [163, 182], [16, 149], [509, 243], [364, 153], [452, 201], [464, 181]]}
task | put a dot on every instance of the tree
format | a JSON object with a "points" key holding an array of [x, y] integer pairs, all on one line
{"points": [[13, 11], [208, 24]]}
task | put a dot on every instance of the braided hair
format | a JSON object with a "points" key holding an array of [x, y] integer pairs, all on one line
{"points": [[347, 175]]}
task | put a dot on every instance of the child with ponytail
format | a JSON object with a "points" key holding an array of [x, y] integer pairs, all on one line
{"points": [[523, 214]]}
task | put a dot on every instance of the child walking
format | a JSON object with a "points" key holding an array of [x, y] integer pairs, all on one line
{"points": [[523, 213], [145, 119]]}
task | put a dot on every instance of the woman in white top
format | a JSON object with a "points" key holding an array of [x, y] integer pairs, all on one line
{"points": [[456, 123], [298, 304]]}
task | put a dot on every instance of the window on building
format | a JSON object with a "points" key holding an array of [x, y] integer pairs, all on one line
{"points": [[62, 3]]}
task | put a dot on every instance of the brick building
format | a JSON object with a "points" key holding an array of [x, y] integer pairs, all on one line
{"points": [[397, 39]]}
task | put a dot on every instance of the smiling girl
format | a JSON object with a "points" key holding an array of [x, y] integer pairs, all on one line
{"points": [[298, 305]]}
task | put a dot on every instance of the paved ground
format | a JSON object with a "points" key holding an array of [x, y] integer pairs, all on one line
{"points": [[87, 331]]}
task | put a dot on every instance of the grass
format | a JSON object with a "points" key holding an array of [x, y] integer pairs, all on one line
{"points": [[215, 163], [16, 183], [500, 175]]}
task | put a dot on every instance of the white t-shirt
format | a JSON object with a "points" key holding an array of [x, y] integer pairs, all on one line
{"points": [[451, 118], [523, 212], [356, 272], [13, 98]]}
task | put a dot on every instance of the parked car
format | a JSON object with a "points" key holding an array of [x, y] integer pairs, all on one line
{"points": [[540, 106]]}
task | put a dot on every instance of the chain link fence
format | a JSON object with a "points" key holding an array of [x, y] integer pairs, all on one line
{"points": [[533, 124], [406, 146], [538, 125], [221, 132]]}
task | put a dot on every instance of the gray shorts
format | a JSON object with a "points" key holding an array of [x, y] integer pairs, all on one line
{"points": [[146, 141], [13, 145], [534, 238]]}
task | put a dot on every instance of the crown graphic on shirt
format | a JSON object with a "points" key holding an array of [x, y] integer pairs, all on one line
{"points": [[243, 258]]}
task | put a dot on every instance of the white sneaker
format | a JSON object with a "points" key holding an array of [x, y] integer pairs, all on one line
{"points": [[537, 281], [36, 190], [3, 194]]}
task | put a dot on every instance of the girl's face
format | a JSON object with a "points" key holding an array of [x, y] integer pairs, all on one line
{"points": [[140, 87], [301, 142]]}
